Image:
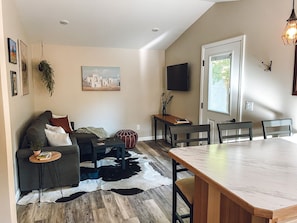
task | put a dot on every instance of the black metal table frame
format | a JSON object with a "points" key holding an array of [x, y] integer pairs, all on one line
{"points": [[100, 145], [41, 174], [166, 124]]}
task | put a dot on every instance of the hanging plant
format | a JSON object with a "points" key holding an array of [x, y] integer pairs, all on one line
{"points": [[47, 75]]}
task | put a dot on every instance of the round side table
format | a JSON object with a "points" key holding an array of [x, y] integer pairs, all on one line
{"points": [[55, 156], [33, 159]]}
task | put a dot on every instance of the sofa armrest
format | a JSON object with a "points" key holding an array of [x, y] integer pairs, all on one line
{"points": [[73, 139], [63, 149], [68, 167], [25, 153]]}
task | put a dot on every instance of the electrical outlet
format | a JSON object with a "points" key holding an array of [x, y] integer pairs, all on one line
{"points": [[249, 105], [138, 127]]}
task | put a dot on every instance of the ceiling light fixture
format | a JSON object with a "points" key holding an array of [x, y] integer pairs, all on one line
{"points": [[290, 33], [64, 22]]}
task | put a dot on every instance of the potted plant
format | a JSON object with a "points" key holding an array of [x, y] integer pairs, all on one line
{"points": [[36, 147], [47, 75]]}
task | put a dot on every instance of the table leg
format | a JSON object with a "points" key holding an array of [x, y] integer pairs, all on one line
{"points": [[175, 137], [95, 158], [118, 153], [155, 129], [40, 181], [121, 149], [57, 173], [123, 157], [188, 137], [165, 136]]}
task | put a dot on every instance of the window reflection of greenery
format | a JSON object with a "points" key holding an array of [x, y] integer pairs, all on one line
{"points": [[221, 70]]}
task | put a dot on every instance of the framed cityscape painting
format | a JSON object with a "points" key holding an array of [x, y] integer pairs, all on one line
{"points": [[101, 78], [12, 51]]}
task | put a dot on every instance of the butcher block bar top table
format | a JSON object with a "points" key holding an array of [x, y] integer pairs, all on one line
{"points": [[244, 182]]}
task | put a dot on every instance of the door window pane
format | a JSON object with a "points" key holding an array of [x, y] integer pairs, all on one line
{"points": [[219, 83]]}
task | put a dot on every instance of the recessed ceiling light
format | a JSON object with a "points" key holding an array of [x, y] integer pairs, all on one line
{"points": [[156, 29], [64, 22]]}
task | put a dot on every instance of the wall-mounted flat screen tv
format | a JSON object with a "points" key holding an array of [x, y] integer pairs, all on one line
{"points": [[178, 77]]}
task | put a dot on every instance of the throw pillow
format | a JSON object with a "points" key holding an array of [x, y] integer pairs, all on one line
{"points": [[63, 122], [57, 139], [57, 129], [63, 116]]}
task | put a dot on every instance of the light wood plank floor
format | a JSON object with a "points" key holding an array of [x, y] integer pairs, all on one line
{"points": [[152, 206]]}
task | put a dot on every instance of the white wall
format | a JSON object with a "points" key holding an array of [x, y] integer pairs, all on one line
{"points": [[262, 22], [14, 111], [141, 87], [142, 74], [141, 80]]}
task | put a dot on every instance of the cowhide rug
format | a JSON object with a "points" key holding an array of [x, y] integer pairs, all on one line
{"points": [[138, 176]]}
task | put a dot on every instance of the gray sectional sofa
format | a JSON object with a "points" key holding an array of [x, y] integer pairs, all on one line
{"points": [[67, 167]]}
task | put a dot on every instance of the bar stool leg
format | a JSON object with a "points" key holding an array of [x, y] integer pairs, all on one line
{"points": [[123, 157], [174, 196]]}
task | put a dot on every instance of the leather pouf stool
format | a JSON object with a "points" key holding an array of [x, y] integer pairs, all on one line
{"points": [[128, 136]]}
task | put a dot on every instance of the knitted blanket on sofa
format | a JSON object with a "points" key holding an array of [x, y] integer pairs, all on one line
{"points": [[100, 132]]}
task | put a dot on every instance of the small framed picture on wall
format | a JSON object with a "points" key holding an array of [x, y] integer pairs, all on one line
{"points": [[14, 83], [12, 51]]}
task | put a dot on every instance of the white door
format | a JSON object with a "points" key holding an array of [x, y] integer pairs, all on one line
{"points": [[221, 71]]}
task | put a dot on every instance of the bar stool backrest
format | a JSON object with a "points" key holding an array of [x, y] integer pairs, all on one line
{"points": [[184, 185], [277, 127], [187, 134], [235, 131]]}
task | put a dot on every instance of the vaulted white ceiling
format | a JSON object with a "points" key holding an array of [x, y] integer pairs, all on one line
{"points": [[110, 23]]}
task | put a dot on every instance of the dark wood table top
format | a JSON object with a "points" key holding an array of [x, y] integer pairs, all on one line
{"points": [[170, 119]]}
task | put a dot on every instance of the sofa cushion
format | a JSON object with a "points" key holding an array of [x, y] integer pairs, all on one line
{"points": [[83, 137], [57, 139], [57, 129], [63, 122], [35, 136], [63, 116], [35, 133]]}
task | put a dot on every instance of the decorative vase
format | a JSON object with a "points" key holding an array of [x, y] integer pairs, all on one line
{"points": [[163, 110]]}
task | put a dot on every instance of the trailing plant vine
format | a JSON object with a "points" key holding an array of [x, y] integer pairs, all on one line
{"points": [[47, 75]]}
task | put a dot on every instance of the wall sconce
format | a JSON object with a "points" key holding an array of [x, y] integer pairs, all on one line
{"points": [[290, 33], [267, 66]]}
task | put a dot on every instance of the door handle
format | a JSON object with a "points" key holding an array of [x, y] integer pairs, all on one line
{"points": [[232, 120]]}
